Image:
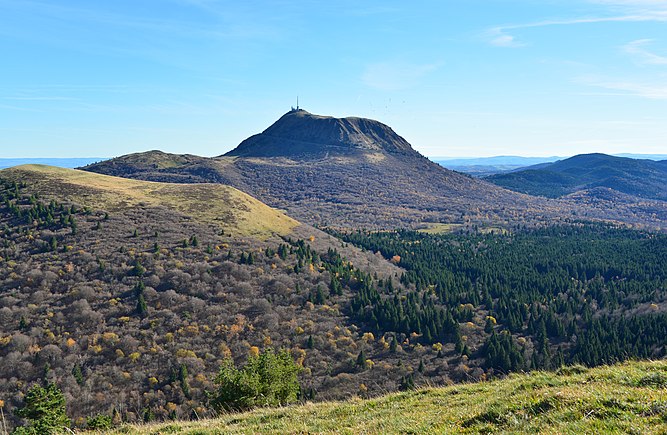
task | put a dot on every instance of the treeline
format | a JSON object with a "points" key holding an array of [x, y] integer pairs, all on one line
{"points": [[31, 213], [587, 294]]}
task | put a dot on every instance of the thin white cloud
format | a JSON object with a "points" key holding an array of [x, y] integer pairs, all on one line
{"points": [[17, 108], [653, 91], [635, 11], [394, 76], [157, 32], [633, 3], [498, 38], [636, 49]]}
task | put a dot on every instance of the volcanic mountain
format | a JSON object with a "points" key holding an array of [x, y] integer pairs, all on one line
{"points": [[299, 134], [351, 172]]}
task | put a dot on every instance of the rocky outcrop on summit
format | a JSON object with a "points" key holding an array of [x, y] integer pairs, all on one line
{"points": [[300, 134]]}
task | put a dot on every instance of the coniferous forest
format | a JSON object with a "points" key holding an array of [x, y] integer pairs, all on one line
{"points": [[125, 314], [589, 293]]}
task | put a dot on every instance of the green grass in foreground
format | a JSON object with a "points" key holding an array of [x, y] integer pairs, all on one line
{"points": [[624, 398]]}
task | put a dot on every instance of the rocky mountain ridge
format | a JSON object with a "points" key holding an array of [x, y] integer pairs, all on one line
{"points": [[300, 134], [355, 172]]}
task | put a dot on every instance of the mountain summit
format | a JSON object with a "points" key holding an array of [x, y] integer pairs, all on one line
{"points": [[356, 172], [301, 134]]}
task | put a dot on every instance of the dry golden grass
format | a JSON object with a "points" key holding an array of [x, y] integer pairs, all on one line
{"points": [[217, 204], [439, 228]]}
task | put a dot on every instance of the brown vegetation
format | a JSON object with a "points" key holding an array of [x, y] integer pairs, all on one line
{"points": [[111, 305]]}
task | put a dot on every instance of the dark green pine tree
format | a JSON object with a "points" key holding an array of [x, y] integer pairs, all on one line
{"points": [[393, 345], [142, 307], [458, 343], [361, 360], [78, 374], [407, 383], [318, 296], [183, 380], [194, 241], [44, 409]]}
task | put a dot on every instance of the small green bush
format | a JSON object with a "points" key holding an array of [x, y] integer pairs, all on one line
{"points": [[269, 379], [44, 408], [99, 422]]}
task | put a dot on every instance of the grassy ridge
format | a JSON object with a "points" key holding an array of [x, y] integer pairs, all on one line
{"points": [[624, 398], [217, 204]]}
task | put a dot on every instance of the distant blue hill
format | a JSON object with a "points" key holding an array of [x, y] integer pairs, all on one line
{"points": [[494, 161], [485, 166], [63, 163], [638, 177], [643, 156]]}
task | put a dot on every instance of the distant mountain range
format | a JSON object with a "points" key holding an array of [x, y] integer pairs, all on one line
{"points": [[495, 161], [640, 178], [356, 172], [484, 166], [60, 162]]}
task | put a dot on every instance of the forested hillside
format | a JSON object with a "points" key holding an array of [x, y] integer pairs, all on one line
{"points": [[131, 305], [635, 177], [132, 310], [589, 294]]}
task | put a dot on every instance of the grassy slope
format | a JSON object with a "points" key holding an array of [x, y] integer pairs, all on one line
{"points": [[225, 206], [624, 398]]}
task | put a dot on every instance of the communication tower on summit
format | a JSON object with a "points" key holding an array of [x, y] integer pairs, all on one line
{"points": [[297, 105]]}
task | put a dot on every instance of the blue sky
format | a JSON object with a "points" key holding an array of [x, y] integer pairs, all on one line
{"points": [[455, 78]]}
